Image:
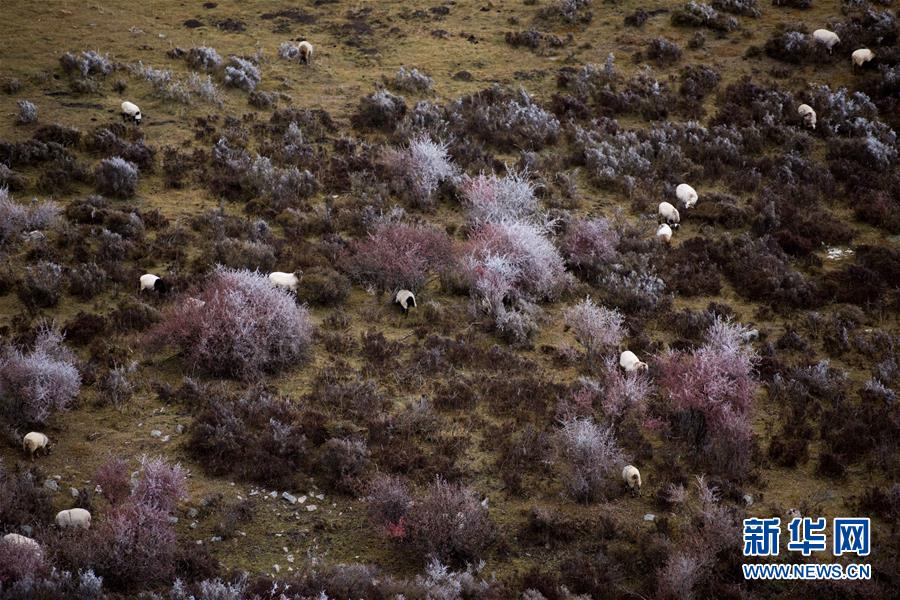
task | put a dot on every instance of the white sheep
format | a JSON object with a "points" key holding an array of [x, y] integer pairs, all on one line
{"points": [[862, 56], [628, 360], [829, 38], [149, 281], [74, 517], [670, 214], [306, 52], [406, 299], [288, 281], [34, 441], [809, 115], [686, 194], [632, 478], [14, 539], [131, 112], [664, 233]]}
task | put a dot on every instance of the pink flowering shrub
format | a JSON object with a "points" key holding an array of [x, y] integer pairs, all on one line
{"points": [[492, 199], [597, 328], [419, 169], [710, 393], [589, 245], [397, 255], [624, 393], [243, 326], [19, 562], [388, 504], [35, 384], [160, 485], [590, 455], [112, 479]]}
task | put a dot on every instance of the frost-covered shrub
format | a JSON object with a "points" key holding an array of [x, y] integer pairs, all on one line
{"points": [[280, 187], [27, 112], [509, 262], [711, 392], [449, 523], [242, 74], [663, 51], [698, 14], [396, 256], [159, 486], [623, 393], [492, 199], [418, 171], [388, 502], [440, 583], [697, 81], [570, 11], [203, 58], [380, 110], [87, 63], [113, 480], [116, 177], [246, 327], [590, 456], [597, 328], [344, 462], [168, 87], [36, 383], [634, 291], [16, 218], [590, 245], [790, 46], [41, 285], [505, 118], [116, 386], [289, 51], [534, 39], [412, 81], [745, 8], [19, 563], [256, 436]]}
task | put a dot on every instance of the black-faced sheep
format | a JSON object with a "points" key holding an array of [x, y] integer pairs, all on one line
{"points": [[669, 214], [153, 282], [406, 299], [686, 194], [628, 360], [632, 478], [131, 112], [34, 441], [306, 52], [808, 114]]}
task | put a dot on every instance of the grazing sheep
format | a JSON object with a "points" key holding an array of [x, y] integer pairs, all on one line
{"points": [[150, 281], [809, 115], [288, 281], [306, 52], [670, 214], [406, 299], [664, 233], [632, 478], [74, 517], [14, 539], [131, 112], [829, 38], [628, 360], [34, 441], [862, 56], [686, 194]]}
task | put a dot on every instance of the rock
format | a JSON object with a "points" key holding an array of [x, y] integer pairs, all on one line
{"points": [[216, 538], [192, 512], [301, 499], [74, 492], [273, 494], [179, 429], [165, 438], [27, 530], [289, 497], [51, 485], [276, 568], [311, 507], [649, 517], [748, 499], [156, 433], [320, 496], [194, 525], [173, 520]]}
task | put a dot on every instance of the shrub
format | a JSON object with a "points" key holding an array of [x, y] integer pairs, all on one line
{"points": [[570, 11], [116, 177], [323, 287], [160, 486], [388, 503], [113, 479], [242, 74], [745, 8], [89, 62], [16, 218], [492, 199], [590, 455], [116, 387], [396, 256], [623, 394], [597, 328], [27, 112], [663, 51], [698, 14], [204, 58], [802, 4], [256, 436], [344, 462], [413, 81], [246, 327], [508, 119], [23, 498], [697, 81], [711, 394], [634, 291], [18, 563], [590, 245], [449, 523], [41, 286], [420, 169], [34, 384], [380, 110]]}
